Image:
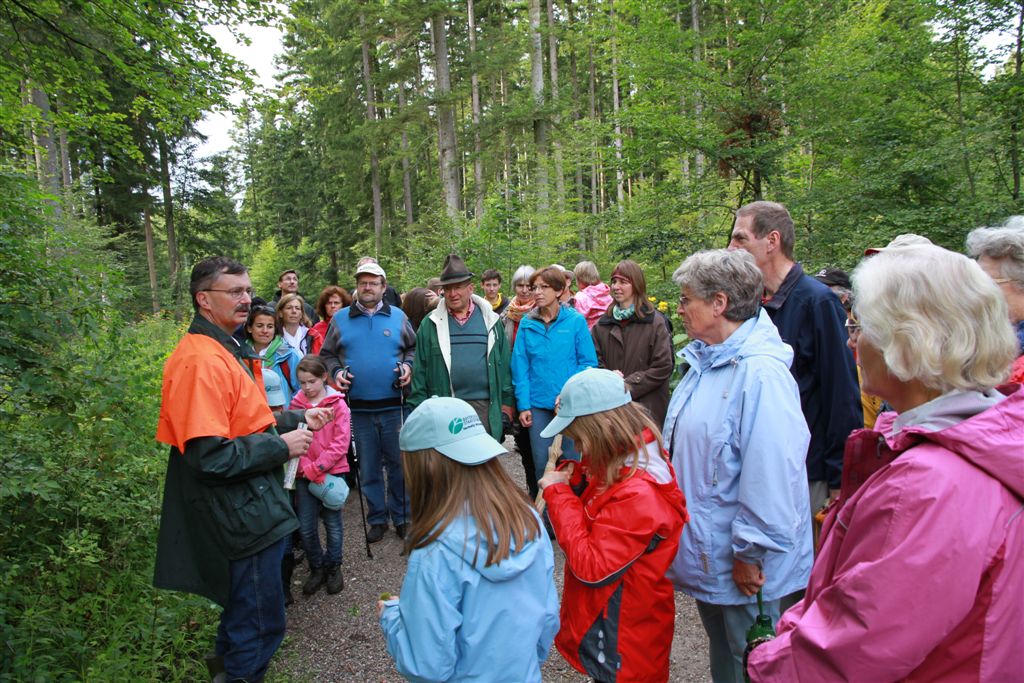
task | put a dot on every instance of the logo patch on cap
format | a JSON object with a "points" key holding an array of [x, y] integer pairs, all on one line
{"points": [[455, 426]]}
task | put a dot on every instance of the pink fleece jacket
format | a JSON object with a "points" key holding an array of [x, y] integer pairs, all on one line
{"points": [[592, 302], [920, 574], [329, 450]]}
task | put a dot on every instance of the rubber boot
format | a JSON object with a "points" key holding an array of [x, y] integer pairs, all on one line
{"points": [[315, 580], [335, 581], [287, 569]]}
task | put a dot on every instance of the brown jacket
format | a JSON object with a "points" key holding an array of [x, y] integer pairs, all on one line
{"points": [[641, 349]]}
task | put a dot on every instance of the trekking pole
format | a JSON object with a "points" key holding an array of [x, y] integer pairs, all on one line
{"points": [[345, 372], [401, 418]]}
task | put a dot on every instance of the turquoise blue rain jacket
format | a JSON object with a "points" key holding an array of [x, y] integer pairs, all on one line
{"points": [[738, 441], [546, 355], [457, 620]]}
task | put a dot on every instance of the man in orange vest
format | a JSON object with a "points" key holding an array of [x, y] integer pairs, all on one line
{"points": [[225, 512]]}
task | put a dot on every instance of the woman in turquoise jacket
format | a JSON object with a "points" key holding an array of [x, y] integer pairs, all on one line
{"points": [[553, 344], [263, 339], [478, 601], [738, 441]]}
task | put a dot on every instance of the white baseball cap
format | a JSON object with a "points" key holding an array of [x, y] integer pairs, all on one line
{"points": [[592, 391]]}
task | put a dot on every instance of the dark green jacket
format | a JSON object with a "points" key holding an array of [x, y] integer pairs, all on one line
{"points": [[434, 356], [223, 500]]}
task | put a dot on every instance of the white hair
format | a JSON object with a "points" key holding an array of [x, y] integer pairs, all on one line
{"points": [[1004, 244], [936, 317], [522, 274]]}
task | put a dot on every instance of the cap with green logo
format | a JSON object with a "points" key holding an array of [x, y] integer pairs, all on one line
{"points": [[592, 391], [451, 426]]}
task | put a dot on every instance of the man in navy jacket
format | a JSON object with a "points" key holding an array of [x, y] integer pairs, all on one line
{"points": [[811, 319]]}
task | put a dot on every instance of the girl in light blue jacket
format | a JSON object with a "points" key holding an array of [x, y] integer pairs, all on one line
{"points": [[478, 601]]}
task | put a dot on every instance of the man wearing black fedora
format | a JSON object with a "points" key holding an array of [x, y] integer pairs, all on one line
{"points": [[462, 351]]}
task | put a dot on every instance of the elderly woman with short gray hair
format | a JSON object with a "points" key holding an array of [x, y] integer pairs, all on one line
{"points": [[1000, 253], [738, 442]]}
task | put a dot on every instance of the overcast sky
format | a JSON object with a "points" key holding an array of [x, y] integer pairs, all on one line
{"points": [[266, 44]]}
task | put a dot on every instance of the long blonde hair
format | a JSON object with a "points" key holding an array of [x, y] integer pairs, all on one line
{"points": [[440, 490], [607, 439]]}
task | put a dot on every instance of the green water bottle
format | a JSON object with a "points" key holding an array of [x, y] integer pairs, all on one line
{"points": [[760, 632]]}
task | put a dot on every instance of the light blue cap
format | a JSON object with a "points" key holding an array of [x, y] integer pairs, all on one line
{"points": [[274, 386], [592, 391], [451, 426], [332, 492]]}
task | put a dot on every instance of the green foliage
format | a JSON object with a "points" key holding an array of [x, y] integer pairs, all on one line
{"points": [[80, 471]]}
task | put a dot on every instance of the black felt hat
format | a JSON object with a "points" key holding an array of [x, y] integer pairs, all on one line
{"points": [[454, 271]]}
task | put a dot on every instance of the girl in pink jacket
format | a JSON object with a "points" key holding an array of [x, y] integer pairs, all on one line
{"points": [[326, 455], [922, 561]]}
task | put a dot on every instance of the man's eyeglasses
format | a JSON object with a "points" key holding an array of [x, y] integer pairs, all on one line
{"points": [[236, 293], [852, 327]]}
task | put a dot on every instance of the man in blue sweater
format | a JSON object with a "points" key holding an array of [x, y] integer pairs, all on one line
{"points": [[369, 351], [809, 318]]}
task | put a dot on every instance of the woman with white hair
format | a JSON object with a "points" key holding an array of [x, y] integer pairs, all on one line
{"points": [[1000, 253], [738, 441], [920, 569]]}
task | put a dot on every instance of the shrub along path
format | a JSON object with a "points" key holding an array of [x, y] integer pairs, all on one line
{"points": [[333, 638]]}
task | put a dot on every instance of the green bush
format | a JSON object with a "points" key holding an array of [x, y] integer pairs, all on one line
{"points": [[80, 472]]}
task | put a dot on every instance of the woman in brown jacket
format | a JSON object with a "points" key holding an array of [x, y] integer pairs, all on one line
{"points": [[632, 338]]}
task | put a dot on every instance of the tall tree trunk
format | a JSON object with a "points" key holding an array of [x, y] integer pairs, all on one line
{"points": [[46, 148], [147, 226], [553, 74], [1017, 111], [406, 174], [446, 142], [698, 103], [592, 101], [478, 157], [540, 123], [620, 190], [165, 186], [961, 123], [371, 119]]}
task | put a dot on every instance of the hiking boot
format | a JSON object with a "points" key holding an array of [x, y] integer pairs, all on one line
{"points": [[376, 532], [402, 529], [315, 580], [335, 581]]}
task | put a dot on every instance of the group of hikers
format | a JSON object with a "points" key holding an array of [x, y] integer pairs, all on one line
{"points": [[840, 464]]}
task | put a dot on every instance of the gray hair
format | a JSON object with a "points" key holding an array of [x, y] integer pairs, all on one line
{"points": [[768, 217], [522, 274], [1004, 244], [936, 317], [586, 273], [732, 272]]}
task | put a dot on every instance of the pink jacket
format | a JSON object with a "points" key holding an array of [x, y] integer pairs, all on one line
{"points": [[920, 576], [592, 302], [329, 450]]}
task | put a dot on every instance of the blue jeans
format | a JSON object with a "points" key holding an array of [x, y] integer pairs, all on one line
{"points": [[252, 623], [311, 511], [726, 626], [376, 437], [539, 445]]}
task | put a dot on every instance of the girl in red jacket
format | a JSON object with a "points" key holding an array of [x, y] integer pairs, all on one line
{"points": [[619, 536], [326, 455]]}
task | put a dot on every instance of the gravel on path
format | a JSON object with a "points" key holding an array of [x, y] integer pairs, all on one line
{"points": [[337, 638]]}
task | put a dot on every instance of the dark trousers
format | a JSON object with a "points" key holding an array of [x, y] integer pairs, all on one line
{"points": [[252, 623]]}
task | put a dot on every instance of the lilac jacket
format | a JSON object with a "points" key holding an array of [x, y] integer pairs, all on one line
{"points": [[919, 578]]}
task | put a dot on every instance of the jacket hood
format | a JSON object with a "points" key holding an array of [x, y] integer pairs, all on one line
{"points": [[986, 429], [757, 336], [463, 538], [333, 396]]}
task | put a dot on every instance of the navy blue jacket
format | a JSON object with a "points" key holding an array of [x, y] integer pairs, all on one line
{"points": [[810, 318]]}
